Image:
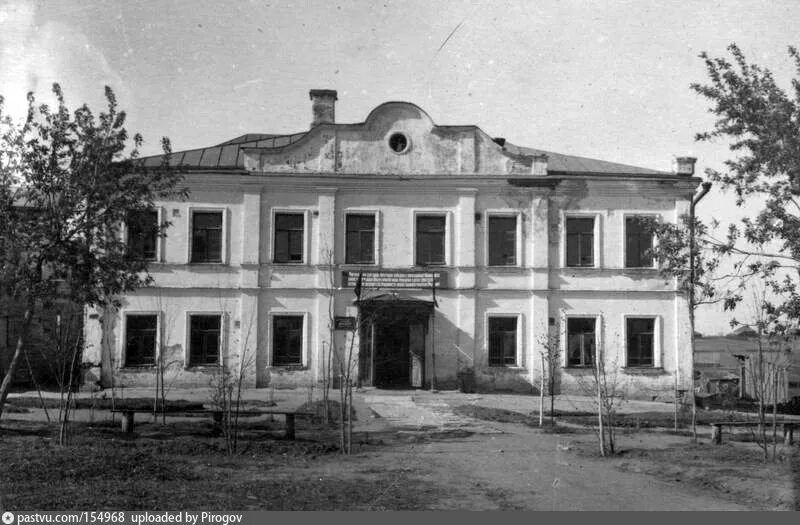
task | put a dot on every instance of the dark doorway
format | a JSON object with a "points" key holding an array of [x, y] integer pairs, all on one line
{"points": [[392, 350], [392, 362]]}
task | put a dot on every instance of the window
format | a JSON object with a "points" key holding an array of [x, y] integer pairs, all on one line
{"points": [[638, 243], [580, 341], [580, 242], [289, 237], [207, 237], [143, 234], [502, 241], [140, 339], [502, 341], [287, 340], [360, 243], [204, 339], [640, 336], [398, 142], [430, 239]]}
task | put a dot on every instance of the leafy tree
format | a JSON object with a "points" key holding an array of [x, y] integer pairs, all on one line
{"points": [[761, 121], [67, 185]]}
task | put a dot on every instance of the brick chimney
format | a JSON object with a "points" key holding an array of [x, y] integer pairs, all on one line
{"points": [[323, 106], [539, 166], [684, 166]]}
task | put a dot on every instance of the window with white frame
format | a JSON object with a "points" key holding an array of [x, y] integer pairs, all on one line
{"points": [[502, 240], [141, 338], [360, 238], [638, 243], [289, 237], [142, 234], [207, 236], [205, 339], [430, 242], [581, 341], [502, 341], [580, 241], [640, 341], [287, 340]]}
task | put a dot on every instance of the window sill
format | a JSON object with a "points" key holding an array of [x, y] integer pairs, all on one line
{"points": [[138, 368], [288, 368], [203, 368], [644, 370], [206, 263], [579, 368], [515, 368]]}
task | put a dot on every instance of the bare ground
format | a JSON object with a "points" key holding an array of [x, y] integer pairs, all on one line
{"points": [[411, 452]]}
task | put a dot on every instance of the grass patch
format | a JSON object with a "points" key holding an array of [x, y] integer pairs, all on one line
{"points": [[133, 403], [103, 472]]}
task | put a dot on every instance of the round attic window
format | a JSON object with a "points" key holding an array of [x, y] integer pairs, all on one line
{"points": [[398, 142]]}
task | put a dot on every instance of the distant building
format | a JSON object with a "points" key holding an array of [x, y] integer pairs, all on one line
{"points": [[518, 243], [729, 364]]}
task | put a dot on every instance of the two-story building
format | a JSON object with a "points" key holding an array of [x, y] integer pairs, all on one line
{"points": [[264, 257]]}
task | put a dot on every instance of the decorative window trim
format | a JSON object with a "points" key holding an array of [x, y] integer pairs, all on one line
{"points": [[519, 252], [121, 347], [304, 352], [377, 239], [519, 358], [624, 244], [448, 237], [658, 347], [598, 336], [306, 212], [225, 234], [597, 233], [160, 239], [223, 338]]}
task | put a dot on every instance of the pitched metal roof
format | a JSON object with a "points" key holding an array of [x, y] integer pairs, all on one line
{"points": [[228, 155], [561, 164]]}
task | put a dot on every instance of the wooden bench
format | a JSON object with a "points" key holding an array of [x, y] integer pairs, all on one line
{"points": [[216, 416], [788, 429], [289, 417]]}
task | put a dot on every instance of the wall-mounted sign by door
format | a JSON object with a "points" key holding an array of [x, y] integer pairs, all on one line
{"points": [[344, 323]]}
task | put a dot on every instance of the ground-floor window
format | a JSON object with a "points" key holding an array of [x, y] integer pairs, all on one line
{"points": [[580, 341], [204, 339], [640, 339], [140, 339], [502, 341], [287, 340]]}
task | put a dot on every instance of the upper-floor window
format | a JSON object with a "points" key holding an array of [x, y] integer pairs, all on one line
{"points": [[207, 237], [580, 241], [580, 341], [140, 339], [142, 233], [640, 339], [205, 339], [287, 340], [430, 240], [360, 241], [502, 341], [638, 244], [289, 230], [502, 241]]}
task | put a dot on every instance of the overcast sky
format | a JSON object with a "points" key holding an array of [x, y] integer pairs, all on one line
{"points": [[608, 80]]}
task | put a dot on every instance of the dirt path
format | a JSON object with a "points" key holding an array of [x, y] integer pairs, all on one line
{"points": [[510, 466]]}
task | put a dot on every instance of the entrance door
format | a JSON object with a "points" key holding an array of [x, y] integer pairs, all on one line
{"points": [[392, 361]]}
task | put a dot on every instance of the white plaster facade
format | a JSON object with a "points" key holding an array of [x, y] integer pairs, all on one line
{"points": [[456, 171]]}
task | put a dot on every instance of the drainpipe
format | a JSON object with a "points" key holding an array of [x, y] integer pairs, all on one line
{"points": [[705, 189]]}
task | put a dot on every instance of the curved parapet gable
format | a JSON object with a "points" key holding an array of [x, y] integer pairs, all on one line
{"points": [[397, 138]]}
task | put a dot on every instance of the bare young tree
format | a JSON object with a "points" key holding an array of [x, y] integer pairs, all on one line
{"points": [[605, 387], [551, 361]]}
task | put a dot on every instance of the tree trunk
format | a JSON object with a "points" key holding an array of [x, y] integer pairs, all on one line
{"points": [[5, 387], [541, 396]]}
